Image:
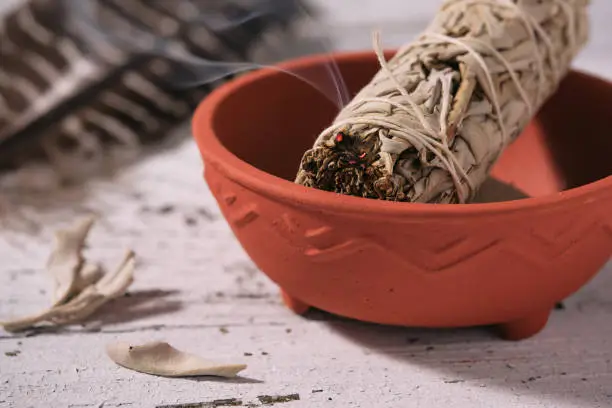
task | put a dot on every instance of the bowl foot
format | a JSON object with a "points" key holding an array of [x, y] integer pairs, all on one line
{"points": [[525, 327], [295, 305]]}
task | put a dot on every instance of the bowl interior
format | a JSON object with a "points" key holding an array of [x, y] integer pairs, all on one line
{"points": [[271, 122]]}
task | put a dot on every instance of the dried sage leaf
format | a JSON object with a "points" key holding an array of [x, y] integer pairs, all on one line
{"points": [[109, 287], [160, 358], [85, 303]]}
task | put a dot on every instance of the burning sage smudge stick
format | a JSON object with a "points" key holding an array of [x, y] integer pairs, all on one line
{"points": [[437, 116]]}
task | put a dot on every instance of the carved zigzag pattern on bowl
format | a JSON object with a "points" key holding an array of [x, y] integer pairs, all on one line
{"points": [[432, 253], [324, 244]]}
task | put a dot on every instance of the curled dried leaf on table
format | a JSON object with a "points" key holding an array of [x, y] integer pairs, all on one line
{"points": [[80, 287], [160, 358], [85, 303]]}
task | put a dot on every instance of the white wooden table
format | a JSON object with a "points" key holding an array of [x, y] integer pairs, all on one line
{"points": [[196, 289]]}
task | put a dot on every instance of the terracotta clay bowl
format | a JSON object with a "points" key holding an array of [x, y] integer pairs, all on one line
{"points": [[504, 264]]}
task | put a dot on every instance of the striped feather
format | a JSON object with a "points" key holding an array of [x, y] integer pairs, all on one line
{"points": [[73, 102]]}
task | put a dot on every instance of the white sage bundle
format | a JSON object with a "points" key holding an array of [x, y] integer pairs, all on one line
{"points": [[436, 117]]}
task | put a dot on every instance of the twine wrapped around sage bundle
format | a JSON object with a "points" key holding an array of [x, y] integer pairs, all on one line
{"points": [[436, 117]]}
